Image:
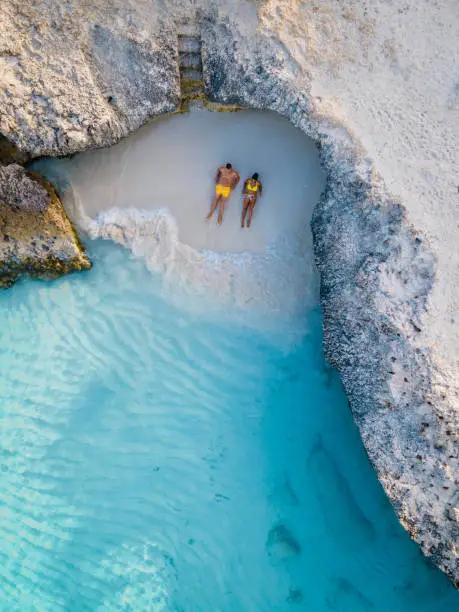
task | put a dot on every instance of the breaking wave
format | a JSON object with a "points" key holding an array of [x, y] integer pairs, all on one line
{"points": [[280, 281]]}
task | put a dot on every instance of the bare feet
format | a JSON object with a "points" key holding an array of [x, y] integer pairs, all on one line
{"points": [[209, 217], [220, 219]]}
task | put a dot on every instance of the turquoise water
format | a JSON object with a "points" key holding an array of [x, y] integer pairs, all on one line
{"points": [[158, 460]]}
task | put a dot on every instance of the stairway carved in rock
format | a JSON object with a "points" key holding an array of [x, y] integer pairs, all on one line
{"points": [[190, 65]]}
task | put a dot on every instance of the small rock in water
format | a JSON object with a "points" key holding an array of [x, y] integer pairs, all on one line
{"points": [[345, 596], [281, 544], [295, 596]]}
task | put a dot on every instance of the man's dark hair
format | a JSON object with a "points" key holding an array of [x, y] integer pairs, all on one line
{"points": [[229, 166], [255, 176]]}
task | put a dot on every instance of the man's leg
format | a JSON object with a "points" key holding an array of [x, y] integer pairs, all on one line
{"points": [[222, 210], [245, 208], [251, 208], [214, 206]]}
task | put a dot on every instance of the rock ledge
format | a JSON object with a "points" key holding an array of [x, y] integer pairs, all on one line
{"points": [[36, 236]]}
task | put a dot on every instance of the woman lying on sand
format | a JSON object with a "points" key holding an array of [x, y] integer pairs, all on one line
{"points": [[251, 189]]}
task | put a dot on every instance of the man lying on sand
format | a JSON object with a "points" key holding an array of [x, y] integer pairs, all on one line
{"points": [[252, 189], [226, 180]]}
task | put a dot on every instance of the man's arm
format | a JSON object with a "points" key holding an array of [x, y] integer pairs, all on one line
{"points": [[236, 180], [218, 175]]}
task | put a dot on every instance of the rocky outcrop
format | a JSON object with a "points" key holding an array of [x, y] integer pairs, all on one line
{"points": [[376, 275], [77, 79], [36, 236]]}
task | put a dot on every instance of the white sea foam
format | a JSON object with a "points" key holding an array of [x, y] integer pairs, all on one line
{"points": [[151, 194], [281, 280]]}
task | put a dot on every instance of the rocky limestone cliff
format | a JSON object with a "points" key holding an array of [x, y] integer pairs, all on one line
{"points": [[79, 76], [36, 236], [71, 82]]}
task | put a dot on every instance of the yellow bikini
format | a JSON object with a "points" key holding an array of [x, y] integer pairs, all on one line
{"points": [[252, 188]]}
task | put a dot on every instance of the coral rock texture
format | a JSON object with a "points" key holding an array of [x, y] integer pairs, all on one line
{"points": [[36, 237]]}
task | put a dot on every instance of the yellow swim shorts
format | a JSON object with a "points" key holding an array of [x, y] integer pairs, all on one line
{"points": [[223, 191]]}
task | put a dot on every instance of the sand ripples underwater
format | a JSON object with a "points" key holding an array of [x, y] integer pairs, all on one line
{"points": [[157, 460]]}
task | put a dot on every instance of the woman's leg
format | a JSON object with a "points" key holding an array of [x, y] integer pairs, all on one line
{"points": [[251, 208], [245, 207]]}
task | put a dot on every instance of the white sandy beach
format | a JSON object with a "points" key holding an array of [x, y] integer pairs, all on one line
{"points": [[172, 163], [153, 190]]}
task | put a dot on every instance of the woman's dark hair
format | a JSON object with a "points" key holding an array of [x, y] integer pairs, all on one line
{"points": [[255, 176], [229, 166]]}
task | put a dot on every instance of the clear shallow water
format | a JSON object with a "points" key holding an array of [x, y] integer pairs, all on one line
{"points": [[158, 460]]}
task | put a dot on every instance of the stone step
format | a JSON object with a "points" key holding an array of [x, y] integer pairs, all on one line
{"points": [[190, 74], [189, 28], [193, 105], [190, 88], [188, 44], [194, 98], [190, 60], [188, 104]]}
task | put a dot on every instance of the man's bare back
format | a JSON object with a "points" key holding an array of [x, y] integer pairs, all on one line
{"points": [[226, 179]]}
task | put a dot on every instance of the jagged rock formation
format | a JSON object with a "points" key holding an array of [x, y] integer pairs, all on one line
{"points": [[36, 236], [78, 78]]}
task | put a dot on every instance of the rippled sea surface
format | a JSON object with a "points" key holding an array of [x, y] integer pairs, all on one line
{"points": [[156, 460]]}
